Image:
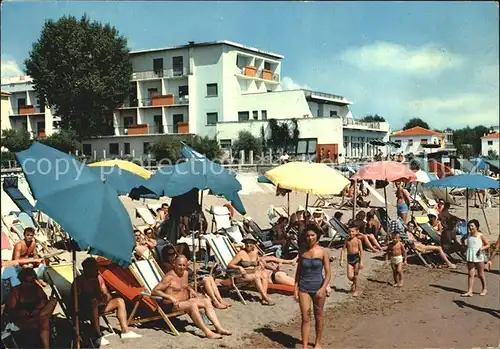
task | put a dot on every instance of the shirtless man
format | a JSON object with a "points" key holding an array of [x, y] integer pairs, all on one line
{"points": [[143, 245], [397, 253], [402, 197], [354, 248], [26, 254], [178, 296]]}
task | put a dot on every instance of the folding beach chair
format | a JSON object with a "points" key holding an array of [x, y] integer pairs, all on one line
{"points": [[324, 201], [431, 233], [60, 278], [221, 220], [251, 227], [382, 217], [148, 274], [339, 229], [146, 215], [409, 244]]}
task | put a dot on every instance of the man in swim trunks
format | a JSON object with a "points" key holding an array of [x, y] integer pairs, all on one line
{"points": [[178, 296], [354, 248], [402, 200], [26, 251], [397, 253]]}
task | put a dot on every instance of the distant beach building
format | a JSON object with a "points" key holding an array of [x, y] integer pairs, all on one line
{"points": [[213, 89], [418, 140], [490, 142]]}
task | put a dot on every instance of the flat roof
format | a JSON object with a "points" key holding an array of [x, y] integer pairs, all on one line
{"points": [[210, 43]]}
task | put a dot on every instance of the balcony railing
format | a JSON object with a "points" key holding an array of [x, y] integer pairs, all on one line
{"points": [[158, 74], [154, 129], [363, 124], [261, 74], [148, 102], [310, 93], [28, 110]]}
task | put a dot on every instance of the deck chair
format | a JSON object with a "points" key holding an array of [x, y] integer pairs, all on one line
{"points": [[340, 231], [153, 207], [324, 201], [146, 215], [431, 233], [148, 274], [382, 217], [60, 278], [375, 194], [221, 220], [251, 227], [344, 202]]}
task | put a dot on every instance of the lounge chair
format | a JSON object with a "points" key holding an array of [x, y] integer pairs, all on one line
{"points": [[60, 278], [251, 227], [221, 221], [324, 201], [435, 238], [340, 231], [383, 218], [146, 215]]}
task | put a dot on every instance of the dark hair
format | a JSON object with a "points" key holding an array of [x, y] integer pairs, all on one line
{"points": [[88, 262], [167, 251], [370, 215], [352, 225], [361, 215], [164, 205], [309, 227], [29, 230], [338, 214], [282, 219], [159, 209], [475, 221], [25, 273]]}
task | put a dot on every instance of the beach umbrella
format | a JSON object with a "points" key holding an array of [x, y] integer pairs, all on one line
{"points": [[85, 207], [123, 181], [124, 165], [390, 171], [308, 177], [468, 181]]}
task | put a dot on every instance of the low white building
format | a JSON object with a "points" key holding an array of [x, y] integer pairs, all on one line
{"points": [[414, 141], [490, 142]]}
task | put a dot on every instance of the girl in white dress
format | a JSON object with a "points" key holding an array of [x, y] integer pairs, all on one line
{"points": [[477, 244]]}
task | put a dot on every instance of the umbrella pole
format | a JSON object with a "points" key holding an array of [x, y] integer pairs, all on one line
{"points": [[467, 205], [195, 271], [307, 202], [484, 214], [414, 199], [385, 199], [75, 300], [354, 199], [288, 207]]}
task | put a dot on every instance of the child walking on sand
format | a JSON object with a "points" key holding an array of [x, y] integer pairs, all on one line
{"points": [[354, 248], [397, 253]]}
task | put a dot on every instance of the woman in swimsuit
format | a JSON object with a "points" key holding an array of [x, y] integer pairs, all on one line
{"points": [[248, 263], [310, 282], [402, 197], [477, 244]]}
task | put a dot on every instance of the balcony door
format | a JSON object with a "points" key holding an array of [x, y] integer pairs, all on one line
{"points": [[158, 124], [177, 118], [158, 66], [21, 102], [177, 65]]}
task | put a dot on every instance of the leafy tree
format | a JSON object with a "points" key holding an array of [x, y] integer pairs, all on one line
{"points": [[83, 70], [16, 140], [468, 140], [373, 118], [492, 154], [168, 148], [416, 122], [64, 140], [247, 142], [284, 135]]}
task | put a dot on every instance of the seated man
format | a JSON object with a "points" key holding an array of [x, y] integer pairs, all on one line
{"points": [[94, 300], [178, 296], [26, 254], [369, 240], [434, 221], [318, 218], [143, 245], [29, 307]]}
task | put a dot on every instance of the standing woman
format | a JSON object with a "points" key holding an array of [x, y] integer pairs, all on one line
{"points": [[477, 244], [310, 284]]}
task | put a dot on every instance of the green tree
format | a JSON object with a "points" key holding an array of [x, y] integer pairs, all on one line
{"points": [[247, 142], [83, 70], [64, 140], [284, 135], [168, 148], [373, 118], [16, 140], [416, 122], [492, 154], [468, 140]]}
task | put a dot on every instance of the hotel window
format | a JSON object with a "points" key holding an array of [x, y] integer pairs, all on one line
{"points": [[177, 65], [225, 143], [212, 118], [333, 113], [267, 66], [87, 149], [212, 90], [263, 114], [423, 141], [490, 142], [126, 148], [243, 116], [255, 114], [145, 147], [183, 91], [158, 66], [114, 149], [410, 142]]}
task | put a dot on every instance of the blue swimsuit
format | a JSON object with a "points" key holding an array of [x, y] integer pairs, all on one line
{"points": [[311, 275]]}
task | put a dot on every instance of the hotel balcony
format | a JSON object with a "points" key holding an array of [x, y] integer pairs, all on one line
{"points": [[164, 101], [160, 74], [328, 97], [146, 129], [363, 125], [250, 72], [28, 110]]}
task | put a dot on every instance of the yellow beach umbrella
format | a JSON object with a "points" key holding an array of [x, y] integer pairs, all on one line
{"points": [[311, 178], [125, 165]]}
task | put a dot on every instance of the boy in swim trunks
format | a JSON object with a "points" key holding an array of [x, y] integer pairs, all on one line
{"points": [[354, 248], [397, 252]]}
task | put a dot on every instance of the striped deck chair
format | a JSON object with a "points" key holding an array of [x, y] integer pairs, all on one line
{"points": [[146, 215], [60, 278], [340, 231], [324, 201]]}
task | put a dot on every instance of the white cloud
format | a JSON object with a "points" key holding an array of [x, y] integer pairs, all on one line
{"points": [[10, 68], [425, 60], [287, 83]]}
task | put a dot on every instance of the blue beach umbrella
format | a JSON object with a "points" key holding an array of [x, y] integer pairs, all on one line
{"points": [[85, 207]]}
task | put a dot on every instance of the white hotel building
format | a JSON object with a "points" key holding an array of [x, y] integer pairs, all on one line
{"points": [[210, 89]]}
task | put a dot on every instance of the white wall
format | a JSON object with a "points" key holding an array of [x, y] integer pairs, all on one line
{"points": [[144, 61], [357, 145], [5, 112], [136, 144], [416, 147], [488, 144], [342, 111]]}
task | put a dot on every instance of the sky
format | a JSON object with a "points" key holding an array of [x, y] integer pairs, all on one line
{"points": [[438, 61]]}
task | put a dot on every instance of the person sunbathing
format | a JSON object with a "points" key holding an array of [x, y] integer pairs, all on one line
{"points": [[179, 297], [279, 234], [369, 240], [276, 276], [434, 221], [29, 307], [94, 300], [169, 254], [143, 244], [26, 254], [318, 218], [248, 263], [414, 236]]}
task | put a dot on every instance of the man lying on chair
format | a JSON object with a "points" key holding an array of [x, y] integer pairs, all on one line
{"points": [[178, 296], [94, 299]]}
